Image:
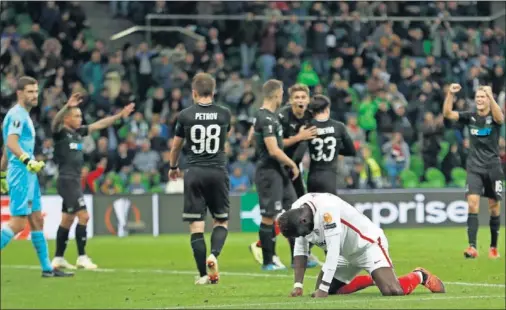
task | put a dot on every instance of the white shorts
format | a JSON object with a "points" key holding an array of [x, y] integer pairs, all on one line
{"points": [[376, 256]]}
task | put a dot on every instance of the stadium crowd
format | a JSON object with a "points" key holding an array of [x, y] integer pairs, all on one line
{"points": [[386, 81]]}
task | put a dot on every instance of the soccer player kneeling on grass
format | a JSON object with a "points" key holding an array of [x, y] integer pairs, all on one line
{"points": [[68, 133], [352, 243]]}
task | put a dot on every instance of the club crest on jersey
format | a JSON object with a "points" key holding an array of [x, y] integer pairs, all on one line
{"points": [[488, 121], [327, 218]]}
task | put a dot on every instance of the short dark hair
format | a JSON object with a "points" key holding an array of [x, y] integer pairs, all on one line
{"points": [[203, 84], [318, 104], [288, 222], [270, 87], [25, 81]]}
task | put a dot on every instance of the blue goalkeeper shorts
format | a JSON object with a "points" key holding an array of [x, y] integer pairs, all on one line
{"points": [[24, 191]]}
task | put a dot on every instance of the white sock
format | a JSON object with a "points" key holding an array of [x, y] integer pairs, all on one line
{"points": [[420, 275]]}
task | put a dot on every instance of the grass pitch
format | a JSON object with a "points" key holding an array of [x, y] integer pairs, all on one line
{"points": [[146, 272]]}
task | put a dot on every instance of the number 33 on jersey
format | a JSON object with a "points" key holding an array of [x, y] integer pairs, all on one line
{"points": [[332, 140], [205, 128]]}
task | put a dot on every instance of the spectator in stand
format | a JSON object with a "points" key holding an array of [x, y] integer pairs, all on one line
{"points": [[239, 182], [248, 35], [146, 160], [109, 187], [123, 157], [397, 157], [136, 187], [452, 160], [156, 104], [356, 133], [232, 90], [432, 132], [370, 176], [144, 59], [93, 73]]}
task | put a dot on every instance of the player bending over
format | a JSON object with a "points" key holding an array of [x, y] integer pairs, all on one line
{"points": [[484, 171], [352, 242], [68, 133], [204, 126], [294, 118], [332, 140], [272, 178], [24, 191]]}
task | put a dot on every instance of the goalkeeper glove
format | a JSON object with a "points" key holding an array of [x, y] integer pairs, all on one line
{"points": [[33, 166], [3, 183]]}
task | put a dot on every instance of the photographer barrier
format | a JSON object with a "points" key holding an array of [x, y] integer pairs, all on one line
{"points": [[392, 208]]}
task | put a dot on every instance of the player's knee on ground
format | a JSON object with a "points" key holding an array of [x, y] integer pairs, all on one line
{"points": [[36, 221], [494, 207], [67, 220], [197, 227], [473, 202], [17, 223], [83, 217], [267, 220], [218, 222]]}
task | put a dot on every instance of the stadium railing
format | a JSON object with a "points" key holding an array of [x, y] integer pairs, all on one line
{"points": [[150, 17]]}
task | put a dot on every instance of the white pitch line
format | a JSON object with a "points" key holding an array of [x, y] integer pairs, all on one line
{"points": [[311, 302], [229, 273]]}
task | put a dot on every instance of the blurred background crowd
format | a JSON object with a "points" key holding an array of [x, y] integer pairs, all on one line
{"points": [[386, 80]]}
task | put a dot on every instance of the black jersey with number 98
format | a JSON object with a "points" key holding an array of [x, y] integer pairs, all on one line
{"points": [[205, 128]]}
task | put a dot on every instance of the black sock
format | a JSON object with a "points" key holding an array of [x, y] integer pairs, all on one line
{"points": [[495, 223], [291, 241], [62, 237], [81, 236], [199, 252], [274, 239], [218, 238], [472, 228], [266, 234]]}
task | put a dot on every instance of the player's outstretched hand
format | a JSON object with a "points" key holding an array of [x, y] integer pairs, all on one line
{"points": [[296, 292], [319, 294], [4, 188], [307, 133], [127, 110], [174, 174], [454, 88], [75, 100]]}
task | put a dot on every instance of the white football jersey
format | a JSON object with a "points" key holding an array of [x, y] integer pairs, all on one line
{"points": [[336, 219]]}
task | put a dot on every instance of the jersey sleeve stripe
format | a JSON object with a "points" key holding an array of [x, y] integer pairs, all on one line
{"points": [[384, 252], [355, 229]]}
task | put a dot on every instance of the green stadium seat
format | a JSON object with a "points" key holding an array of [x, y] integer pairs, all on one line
{"points": [[459, 176], [435, 177], [417, 165], [409, 179]]}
